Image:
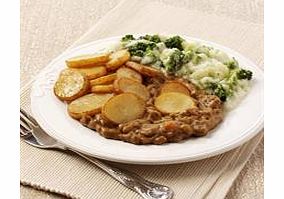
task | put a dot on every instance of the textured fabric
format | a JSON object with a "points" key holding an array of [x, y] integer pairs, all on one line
{"points": [[74, 177]]}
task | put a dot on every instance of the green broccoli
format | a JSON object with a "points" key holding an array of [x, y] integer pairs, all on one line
{"points": [[150, 56], [174, 61], [244, 74], [152, 38], [127, 38], [174, 42], [188, 55], [219, 90], [232, 80], [233, 64], [139, 48]]}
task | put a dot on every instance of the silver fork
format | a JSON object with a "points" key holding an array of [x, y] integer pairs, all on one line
{"points": [[33, 134]]}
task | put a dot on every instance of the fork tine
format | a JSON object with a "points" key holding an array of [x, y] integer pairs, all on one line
{"points": [[24, 132], [24, 127], [23, 112], [27, 118], [24, 124]]}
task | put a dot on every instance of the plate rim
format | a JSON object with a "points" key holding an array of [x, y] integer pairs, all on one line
{"points": [[254, 129]]}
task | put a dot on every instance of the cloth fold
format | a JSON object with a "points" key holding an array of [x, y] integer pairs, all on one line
{"points": [[74, 177]]}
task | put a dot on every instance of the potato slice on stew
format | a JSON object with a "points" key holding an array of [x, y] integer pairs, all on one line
{"points": [[70, 85], [173, 102], [93, 72], [117, 59], [174, 87], [126, 85], [129, 73], [90, 60], [123, 108], [87, 105]]}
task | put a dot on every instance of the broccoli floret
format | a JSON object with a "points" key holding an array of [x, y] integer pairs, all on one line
{"points": [[127, 38], [188, 55], [244, 74], [174, 61], [221, 93], [149, 52], [139, 48], [232, 80], [232, 64], [219, 90], [174, 42], [152, 38], [151, 46], [149, 57]]}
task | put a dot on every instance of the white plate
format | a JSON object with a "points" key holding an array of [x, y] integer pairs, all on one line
{"points": [[239, 125]]}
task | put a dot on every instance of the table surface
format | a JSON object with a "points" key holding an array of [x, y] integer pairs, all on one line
{"points": [[40, 42]]}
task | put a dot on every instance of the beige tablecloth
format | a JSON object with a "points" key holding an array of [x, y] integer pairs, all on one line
{"points": [[197, 29]]}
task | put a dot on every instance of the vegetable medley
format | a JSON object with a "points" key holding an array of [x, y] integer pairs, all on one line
{"points": [[206, 67]]}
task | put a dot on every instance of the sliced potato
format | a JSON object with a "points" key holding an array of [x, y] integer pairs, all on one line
{"points": [[93, 72], [173, 102], [174, 87], [143, 69], [108, 79], [91, 60], [126, 85], [123, 108], [129, 73], [102, 88], [117, 59], [87, 105], [70, 85]]}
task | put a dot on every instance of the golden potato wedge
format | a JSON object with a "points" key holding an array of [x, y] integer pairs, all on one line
{"points": [[126, 85], [143, 69], [70, 85], [84, 61], [173, 86], [123, 108], [90, 104], [107, 79], [173, 102], [117, 59], [129, 73], [102, 88], [93, 72]]}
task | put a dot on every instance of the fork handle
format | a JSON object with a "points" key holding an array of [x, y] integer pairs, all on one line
{"points": [[145, 188]]}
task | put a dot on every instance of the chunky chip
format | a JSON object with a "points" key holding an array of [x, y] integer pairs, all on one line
{"points": [[126, 85], [107, 79], [123, 108], [173, 102], [90, 104], [90, 60], [93, 72], [70, 85], [102, 88], [173, 86], [143, 69], [129, 73], [117, 59]]}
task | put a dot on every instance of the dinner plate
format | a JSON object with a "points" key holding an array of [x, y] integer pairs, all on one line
{"points": [[239, 125]]}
